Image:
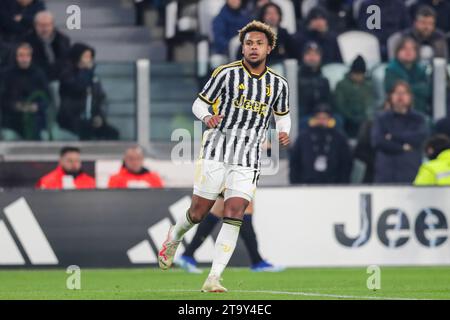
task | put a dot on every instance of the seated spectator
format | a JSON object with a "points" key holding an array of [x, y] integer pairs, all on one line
{"points": [[313, 87], [442, 9], [133, 174], [317, 30], [437, 170], [321, 153], [405, 67], [25, 96], [83, 100], [397, 136], [354, 97], [432, 42], [394, 18], [69, 173], [286, 46], [50, 47], [16, 17], [231, 18]]}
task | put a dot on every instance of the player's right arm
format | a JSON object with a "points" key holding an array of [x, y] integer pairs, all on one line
{"points": [[208, 96]]}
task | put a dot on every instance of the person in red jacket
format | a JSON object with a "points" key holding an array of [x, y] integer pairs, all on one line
{"points": [[68, 174], [133, 174]]}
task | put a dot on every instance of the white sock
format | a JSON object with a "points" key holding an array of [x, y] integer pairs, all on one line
{"points": [[225, 244], [183, 225]]}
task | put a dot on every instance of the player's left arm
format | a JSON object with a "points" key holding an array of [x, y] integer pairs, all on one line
{"points": [[282, 116]]}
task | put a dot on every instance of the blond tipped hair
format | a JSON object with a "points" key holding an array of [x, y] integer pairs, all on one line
{"points": [[258, 26]]}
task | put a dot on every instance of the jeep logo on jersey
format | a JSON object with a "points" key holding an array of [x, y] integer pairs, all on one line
{"points": [[393, 227], [252, 105], [29, 236]]}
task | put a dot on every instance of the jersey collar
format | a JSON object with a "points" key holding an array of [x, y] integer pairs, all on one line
{"points": [[252, 75]]}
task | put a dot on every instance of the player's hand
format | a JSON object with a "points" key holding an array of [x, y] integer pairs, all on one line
{"points": [[283, 137], [212, 121]]}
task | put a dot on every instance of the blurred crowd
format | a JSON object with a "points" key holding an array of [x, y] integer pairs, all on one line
{"points": [[339, 125], [40, 68]]}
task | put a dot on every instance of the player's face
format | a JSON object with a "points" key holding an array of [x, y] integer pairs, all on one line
{"points": [[255, 48], [134, 160], [71, 162]]}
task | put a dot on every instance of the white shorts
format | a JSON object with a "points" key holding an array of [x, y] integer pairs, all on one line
{"points": [[214, 177]]}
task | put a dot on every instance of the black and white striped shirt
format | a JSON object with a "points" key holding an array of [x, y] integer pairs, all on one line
{"points": [[246, 102]]}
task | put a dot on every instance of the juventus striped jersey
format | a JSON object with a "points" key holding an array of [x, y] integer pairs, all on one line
{"points": [[246, 101]]}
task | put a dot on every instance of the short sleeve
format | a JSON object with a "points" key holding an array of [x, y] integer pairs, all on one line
{"points": [[213, 88], [281, 106]]}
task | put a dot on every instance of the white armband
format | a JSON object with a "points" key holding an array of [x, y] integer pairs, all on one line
{"points": [[283, 123], [200, 109]]}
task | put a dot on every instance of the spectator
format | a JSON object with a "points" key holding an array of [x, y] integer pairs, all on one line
{"points": [[437, 170], [354, 97], [364, 150], [339, 14], [231, 18], [133, 174], [286, 46], [68, 174], [321, 153], [432, 42], [50, 47], [394, 18], [405, 67], [83, 100], [397, 136], [25, 96], [16, 17], [317, 30], [442, 9], [313, 87], [443, 126]]}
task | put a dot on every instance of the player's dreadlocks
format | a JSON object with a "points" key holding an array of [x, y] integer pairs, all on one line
{"points": [[259, 27]]}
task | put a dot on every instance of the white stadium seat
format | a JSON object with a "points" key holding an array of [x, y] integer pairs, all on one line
{"points": [[354, 43], [334, 72]]}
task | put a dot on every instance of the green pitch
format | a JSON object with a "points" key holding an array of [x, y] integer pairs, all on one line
{"points": [[308, 283]]}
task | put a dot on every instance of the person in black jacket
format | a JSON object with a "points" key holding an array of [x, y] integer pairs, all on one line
{"points": [[397, 136], [50, 47], [317, 30], [321, 154], [82, 98], [313, 87], [16, 17], [24, 96]]}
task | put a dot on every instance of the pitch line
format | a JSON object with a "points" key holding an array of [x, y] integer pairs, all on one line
{"points": [[293, 293], [271, 292]]}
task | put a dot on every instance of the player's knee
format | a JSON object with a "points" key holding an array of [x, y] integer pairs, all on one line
{"points": [[235, 211], [197, 212]]}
